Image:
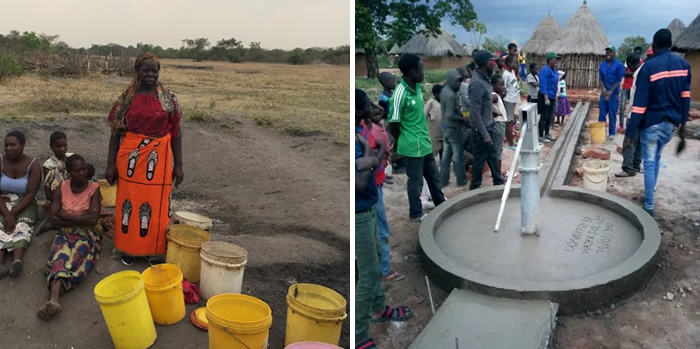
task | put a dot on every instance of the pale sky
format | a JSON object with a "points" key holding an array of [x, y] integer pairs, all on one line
{"points": [[282, 24]]}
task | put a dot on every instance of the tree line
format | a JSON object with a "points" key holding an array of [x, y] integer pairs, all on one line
{"points": [[15, 45]]}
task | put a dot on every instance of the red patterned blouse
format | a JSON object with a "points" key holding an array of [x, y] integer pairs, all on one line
{"points": [[146, 116]]}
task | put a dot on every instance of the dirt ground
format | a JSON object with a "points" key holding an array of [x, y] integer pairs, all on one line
{"points": [[644, 320], [283, 198]]}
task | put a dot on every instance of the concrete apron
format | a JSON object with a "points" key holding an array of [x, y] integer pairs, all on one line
{"points": [[594, 249]]}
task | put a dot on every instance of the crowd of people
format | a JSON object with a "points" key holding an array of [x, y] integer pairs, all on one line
{"points": [[144, 156], [473, 115]]}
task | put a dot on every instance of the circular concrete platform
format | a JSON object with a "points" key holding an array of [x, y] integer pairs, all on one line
{"points": [[593, 249]]}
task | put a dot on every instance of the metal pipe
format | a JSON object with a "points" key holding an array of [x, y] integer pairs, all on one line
{"points": [[506, 191], [530, 165]]}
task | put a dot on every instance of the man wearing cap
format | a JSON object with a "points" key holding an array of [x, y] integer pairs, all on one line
{"points": [[547, 96], [610, 74], [481, 120], [661, 103]]}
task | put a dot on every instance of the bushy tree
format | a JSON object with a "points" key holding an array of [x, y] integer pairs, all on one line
{"points": [[496, 43], [628, 45], [9, 67]]}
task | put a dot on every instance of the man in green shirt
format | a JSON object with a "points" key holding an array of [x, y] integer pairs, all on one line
{"points": [[407, 123]]}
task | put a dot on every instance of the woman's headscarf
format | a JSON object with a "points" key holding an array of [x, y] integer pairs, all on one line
{"points": [[121, 106]]}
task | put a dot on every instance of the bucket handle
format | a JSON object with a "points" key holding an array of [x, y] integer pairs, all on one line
{"points": [[238, 339], [594, 182]]}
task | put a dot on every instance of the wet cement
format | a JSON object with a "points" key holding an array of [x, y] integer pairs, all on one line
{"points": [[479, 321], [577, 240]]}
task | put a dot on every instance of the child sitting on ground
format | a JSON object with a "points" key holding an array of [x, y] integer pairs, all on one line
{"points": [[55, 167], [76, 248]]}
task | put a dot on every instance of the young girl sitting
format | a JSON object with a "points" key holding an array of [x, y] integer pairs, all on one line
{"points": [[76, 248], [563, 106]]}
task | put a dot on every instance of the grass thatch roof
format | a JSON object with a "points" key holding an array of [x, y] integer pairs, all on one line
{"points": [[690, 37], [543, 36], [676, 27], [394, 50], [430, 46], [581, 35]]}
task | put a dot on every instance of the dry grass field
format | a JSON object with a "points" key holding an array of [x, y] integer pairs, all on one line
{"points": [[299, 100]]}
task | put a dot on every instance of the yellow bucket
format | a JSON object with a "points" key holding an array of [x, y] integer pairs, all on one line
{"points": [[125, 309], [109, 193], [237, 321], [314, 313], [597, 132], [164, 291], [184, 244]]}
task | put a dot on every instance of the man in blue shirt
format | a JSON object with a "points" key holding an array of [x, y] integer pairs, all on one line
{"points": [[661, 103], [547, 96], [369, 293], [610, 74]]}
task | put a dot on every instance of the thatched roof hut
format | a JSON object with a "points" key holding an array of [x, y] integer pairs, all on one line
{"points": [[544, 35], [581, 44], [689, 39], [689, 42], [581, 35], [676, 27], [438, 52], [394, 50]]}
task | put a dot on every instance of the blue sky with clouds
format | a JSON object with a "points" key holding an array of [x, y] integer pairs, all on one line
{"points": [[517, 19]]}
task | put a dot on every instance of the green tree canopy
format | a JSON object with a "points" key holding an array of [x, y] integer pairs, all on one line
{"points": [[628, 46], [496, 43], [407, 17]]}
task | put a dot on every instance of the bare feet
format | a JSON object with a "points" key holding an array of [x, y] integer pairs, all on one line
{"points": [[49, 309]]}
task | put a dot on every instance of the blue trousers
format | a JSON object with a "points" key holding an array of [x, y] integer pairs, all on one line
{"points": [[653, 140], [383, 234], [609, 108]]}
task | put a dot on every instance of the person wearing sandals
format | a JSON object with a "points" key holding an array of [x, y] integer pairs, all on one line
{"points": [[76, 248], [20, 180], [145, 157], [370, 303]]}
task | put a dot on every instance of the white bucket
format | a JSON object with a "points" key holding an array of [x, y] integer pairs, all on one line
{"points": [[595, 175], [193, 219], [222, 268]]}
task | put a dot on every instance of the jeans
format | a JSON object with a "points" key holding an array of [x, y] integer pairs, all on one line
{"points": [[632, 156], [653, 140], [485, 153], [416, 170], [369, 292], [454, 145], [609, 108], [623, 104], [383, 234]]}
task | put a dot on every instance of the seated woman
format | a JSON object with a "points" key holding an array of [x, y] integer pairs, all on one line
{"points": [[76, 248], [20, 179]]}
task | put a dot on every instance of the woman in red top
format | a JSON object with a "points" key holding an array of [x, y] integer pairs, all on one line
{"points": [[145, 156]]}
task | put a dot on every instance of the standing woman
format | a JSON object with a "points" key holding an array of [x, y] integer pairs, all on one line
{"points": [[20, 178], [145, 156]]}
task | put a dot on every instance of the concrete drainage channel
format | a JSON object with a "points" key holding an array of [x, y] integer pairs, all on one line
{"points": [[592, 249]]}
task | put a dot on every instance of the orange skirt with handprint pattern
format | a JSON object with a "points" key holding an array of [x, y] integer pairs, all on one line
{"points": [[143, 211]]}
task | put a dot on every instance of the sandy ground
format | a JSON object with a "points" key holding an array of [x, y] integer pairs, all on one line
{"points": [[643, 321], [283, 198]]}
